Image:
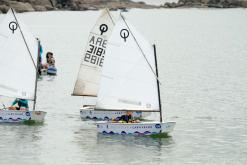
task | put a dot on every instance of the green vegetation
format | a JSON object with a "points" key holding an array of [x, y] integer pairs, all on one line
{"points": [[160, 135]]}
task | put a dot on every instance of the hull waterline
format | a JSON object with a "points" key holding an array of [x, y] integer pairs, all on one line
{"points": [[16, 116], [144, 128]]}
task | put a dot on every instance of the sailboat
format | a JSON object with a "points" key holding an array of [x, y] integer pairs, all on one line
{"points": [[130, 82], [88, 79], [19, 52]]}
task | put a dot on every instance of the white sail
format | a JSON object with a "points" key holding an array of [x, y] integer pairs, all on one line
{"points": [[18, 58], [88, 79], [128, 78]]}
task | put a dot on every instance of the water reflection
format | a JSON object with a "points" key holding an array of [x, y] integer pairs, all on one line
{"points": [[145, 141], [136, 149], [22, 141], [111, 149]]}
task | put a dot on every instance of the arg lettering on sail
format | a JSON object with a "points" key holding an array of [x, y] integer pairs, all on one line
{"points": [[95, 51]]}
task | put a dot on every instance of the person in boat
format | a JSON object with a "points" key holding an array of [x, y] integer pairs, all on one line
{"points": [[19, 104], [49, 58], [50, 61], [126, 117]]}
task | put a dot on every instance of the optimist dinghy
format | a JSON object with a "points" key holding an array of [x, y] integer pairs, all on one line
{"points": [[130, 82], [19, 52], [87, 83]]}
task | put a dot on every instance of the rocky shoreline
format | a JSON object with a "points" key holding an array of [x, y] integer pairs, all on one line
{"points": [[47, 5], [207, 4]]}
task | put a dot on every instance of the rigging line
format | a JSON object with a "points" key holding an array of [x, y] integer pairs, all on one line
{"points": [[140, 49], [108, 12], [23, 38]]}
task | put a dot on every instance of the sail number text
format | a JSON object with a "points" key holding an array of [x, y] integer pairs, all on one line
{"points": [[95, 51]]}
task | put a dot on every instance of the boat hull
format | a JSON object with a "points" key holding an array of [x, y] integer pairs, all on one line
{"points": [[52, 71], [86, 113], [15, 116], [144, 128]]}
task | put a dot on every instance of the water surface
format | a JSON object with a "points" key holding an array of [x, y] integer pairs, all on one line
{"points": [[202, 63]]}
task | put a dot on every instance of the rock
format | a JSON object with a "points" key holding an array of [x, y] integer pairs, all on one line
{"points": [[44, 5], [209, 3], [168, 5], [19, 6], [43, 8], [39, 8], [48, 7], [243, 3], [4, 8], [141, 2]]}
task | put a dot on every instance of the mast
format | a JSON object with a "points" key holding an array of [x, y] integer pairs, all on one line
{"points": [[158, 84], [37, 74]]}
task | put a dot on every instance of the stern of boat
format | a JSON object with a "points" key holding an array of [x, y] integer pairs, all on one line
{"points": [[16, 116], [38, 116], [167, 127]]}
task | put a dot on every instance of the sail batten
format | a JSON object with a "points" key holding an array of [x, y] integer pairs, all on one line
{"points": [[128, 83], [89, 75]]}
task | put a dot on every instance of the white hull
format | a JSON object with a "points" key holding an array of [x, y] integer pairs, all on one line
{"points": [[90, 113], [16, 116], [144, 128]]}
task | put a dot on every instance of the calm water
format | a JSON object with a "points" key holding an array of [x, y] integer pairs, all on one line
{"points": [[203, 68]]}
